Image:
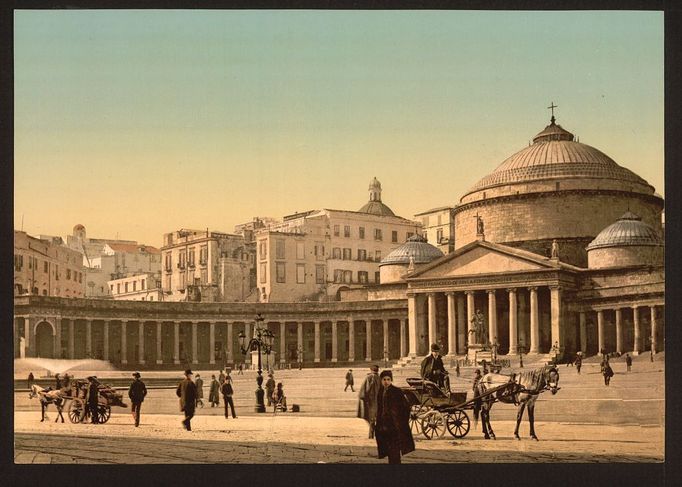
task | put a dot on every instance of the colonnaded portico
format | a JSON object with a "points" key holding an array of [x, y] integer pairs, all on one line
{"points": [[152, 334]]}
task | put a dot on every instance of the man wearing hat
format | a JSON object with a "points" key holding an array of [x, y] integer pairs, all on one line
{"points": [[270, 387], [368, 397], [136, 392], [432, 367], [187, 392], [92, 398]]}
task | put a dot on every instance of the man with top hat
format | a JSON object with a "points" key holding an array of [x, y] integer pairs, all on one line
{"points": [[368, 398], [136, 392], [187, 392], [432, 367]]}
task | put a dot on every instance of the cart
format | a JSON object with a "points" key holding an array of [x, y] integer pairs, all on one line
{"points": [[107, 397]]}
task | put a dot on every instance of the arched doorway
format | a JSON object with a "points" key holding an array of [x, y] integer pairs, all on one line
{"points": [[44, 340]]}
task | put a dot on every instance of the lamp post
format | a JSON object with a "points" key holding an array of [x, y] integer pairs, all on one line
{"points": [[262, 341]]}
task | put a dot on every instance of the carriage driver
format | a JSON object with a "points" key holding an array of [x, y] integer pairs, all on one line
{"points": [[432, 368]]}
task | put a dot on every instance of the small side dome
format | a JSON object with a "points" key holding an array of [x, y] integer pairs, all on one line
{"points": [[417, 249], [374, 206], [628, 230], [78, 228]]}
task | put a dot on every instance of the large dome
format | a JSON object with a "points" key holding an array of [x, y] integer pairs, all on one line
{"points": [[416, 248], [627, 231], [554, 154]]}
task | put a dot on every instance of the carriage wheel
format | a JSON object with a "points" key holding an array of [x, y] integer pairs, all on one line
{"points": [[103, 413], [457, 423], [417, 412], [433, 424], [76, 411]]}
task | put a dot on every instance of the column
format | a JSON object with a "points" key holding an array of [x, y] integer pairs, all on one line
{"points": [[452, 324], [368, 334], [106, 340], [88, 338], [619, 331], [282, 342], [195, 355], [72, 338], [403, 338], [230, 358], [211, 342], [140, 340], [433, 338], [317, 341], [159, 339], [335, 341], [387, 352], [412, 323], [461, 325], [600, 330], [638, 337], [492, 316], [513, 323], [176, 342], [351, 339], [583, 332], [124, 344], [557, 335], [534, 322], [58, 338], [470, 316], [654, 330]]}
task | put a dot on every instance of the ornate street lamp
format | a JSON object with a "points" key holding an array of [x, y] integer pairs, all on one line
{"points": [[262, 342]]}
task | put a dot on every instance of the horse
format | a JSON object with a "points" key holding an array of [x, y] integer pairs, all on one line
{"points": [[522, 390], [48, 396]]}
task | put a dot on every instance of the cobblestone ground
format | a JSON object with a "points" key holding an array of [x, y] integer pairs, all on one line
{"points": [[269, 439]]}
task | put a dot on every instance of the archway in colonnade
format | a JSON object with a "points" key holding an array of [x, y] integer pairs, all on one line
{"points": [[45, 336]]}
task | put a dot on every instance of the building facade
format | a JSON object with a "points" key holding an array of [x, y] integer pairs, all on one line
{"points": [[137, 287], [438, 226]]}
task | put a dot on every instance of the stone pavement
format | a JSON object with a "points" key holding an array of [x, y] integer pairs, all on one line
{"points": [[285, 438]]}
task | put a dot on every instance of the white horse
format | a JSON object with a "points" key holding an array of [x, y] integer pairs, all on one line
{"points": [[521, 389], [47, 397]]}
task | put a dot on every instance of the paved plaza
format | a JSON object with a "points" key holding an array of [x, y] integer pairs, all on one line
{"points": [[584, 422]]}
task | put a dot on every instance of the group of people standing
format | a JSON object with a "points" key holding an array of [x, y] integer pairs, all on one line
{"points": [[191, 393]]}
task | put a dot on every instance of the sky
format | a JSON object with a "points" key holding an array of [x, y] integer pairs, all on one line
{"points": [[139, 123]]}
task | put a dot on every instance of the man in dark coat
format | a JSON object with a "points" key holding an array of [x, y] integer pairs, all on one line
{"points": [[92, 399], [270, 387], [227, 391], [367, 404], [137, 392], [187, 392], [393, 433], [349, 381], [199, 383], [214, 392], [432, 367], [628, 361]]}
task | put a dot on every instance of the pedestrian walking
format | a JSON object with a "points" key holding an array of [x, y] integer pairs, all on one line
{"points": [[137, 392], [187, 392], [227, 391], [241, 370], [367, 398], [57, 382], [221, 377], [214, 393], [628, 361], [349, 381], [199, 382], [651, 354], [457, 371], [578, 361], [607, 372], [393, 435], [278, 397], [92, 399], [270, 387], [30, 379]]}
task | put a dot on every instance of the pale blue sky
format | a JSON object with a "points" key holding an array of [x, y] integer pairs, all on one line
{"points": [[138, 123]]}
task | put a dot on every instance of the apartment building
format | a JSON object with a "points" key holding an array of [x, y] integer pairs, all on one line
{"points": [[138, 287], [438, 226]]}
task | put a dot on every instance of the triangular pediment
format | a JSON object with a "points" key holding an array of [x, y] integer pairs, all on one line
{"points": [[483, 258]]}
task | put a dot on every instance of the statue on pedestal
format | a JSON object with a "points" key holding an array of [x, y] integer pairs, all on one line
{"points": [[478, 328]]}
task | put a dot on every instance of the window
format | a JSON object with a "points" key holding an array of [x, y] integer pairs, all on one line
{"points": [[190, 259], [56, 272], [348, 277], [394, 236], [362, 254], [319, 250], [203, 255], [363, 277], [183, 259], [80, 277], [346, 231], [112, 288], [377, 234], [319, 274], [151, 298], [377, 255], [262, 272], [18, 262], [279, 249], [281, 272], [336, 253], [169, 262], [376, 277], [338, 275], [336, 230], [142, 284], [263, 250], [118, 288], [30, 262], [347, 254], [45, 266], [300, 273], [361, 232], [126, 287], [300, 250], [439, 235], [68, 274], [134, 286]]}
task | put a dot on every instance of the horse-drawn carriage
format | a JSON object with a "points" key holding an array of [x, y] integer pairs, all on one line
{"points": [[107, 397]]}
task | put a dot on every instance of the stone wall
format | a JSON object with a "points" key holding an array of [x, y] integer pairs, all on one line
{"points": [[625, 256]]}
